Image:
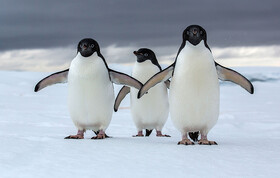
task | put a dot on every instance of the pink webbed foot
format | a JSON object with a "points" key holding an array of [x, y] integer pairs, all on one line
{"points": [[205, 141], [159, 134], [106, 136], [74, 137], [185, 142], [80, 135], [140, 134], [101, 135]]}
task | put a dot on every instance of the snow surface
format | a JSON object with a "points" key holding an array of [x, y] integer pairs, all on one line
{"points": [[33, 125]]}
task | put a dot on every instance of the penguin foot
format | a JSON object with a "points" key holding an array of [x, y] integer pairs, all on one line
{"points": [[163, 135], [140, 134], [206, 142], [185, 142], [75, 137], [159, 134], [106, 136], [99, 136]]}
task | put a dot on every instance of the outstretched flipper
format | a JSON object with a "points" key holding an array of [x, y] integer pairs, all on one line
{"points": [[123, 92], [58, 77], [157, 78], [124, 79], [227, 74]]}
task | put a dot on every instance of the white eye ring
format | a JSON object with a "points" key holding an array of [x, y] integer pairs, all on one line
{"points": [[92, 45], [146, 54]]}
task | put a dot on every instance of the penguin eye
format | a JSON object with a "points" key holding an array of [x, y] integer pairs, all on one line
{"points": [[201, 32], [92, 45], [188, 32], [146, 54]]}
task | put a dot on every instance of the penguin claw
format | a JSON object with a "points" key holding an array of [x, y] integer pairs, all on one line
{"points": [[159, 134], [74, 137], [206, 142], [185, 142], [137, 135], [163, 135], [99, 137], [97, 132]]}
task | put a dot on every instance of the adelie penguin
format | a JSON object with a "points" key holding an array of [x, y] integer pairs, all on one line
{"points": [[151, 111], [194, 89], [90, 89]]}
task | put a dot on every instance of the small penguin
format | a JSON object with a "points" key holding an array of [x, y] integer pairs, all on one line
{"points": [[151, 111], [90, 89], [194, 89]]}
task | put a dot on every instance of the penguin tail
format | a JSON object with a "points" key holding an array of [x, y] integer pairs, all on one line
{"points": [[194, 136], [148, 132]]}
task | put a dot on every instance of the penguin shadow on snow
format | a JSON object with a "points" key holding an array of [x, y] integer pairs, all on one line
{"points": [[194, 89], [151, 111], [90, 89]]}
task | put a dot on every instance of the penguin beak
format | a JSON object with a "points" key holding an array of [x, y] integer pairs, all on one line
{"points": [[84, 47], [194, 31], [136, 53]]}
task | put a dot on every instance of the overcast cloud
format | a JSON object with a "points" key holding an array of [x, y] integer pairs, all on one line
{"points": [[127, 24], [52, 23]]}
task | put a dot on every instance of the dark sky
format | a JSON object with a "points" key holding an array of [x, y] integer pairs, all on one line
{"points": [[29, 24]]}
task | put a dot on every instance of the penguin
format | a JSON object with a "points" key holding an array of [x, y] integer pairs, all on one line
{"points": [[90, 89], [151, 111], [194, 89]]}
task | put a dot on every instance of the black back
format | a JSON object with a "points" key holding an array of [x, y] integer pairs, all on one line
{"points": [[144, 54], [88, 46]]}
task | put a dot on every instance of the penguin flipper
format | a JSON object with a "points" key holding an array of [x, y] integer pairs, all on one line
{"points": [[157, 78], [123, 92], [167, 83], [124, 79], [58, 77], [227, 74]]}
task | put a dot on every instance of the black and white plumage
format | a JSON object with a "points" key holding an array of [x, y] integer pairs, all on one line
{"points": [[194, 90], [151, 111], [90, 88]]}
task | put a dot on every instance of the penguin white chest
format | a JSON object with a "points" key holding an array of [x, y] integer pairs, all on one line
{"points": [[90, 95], [194, 90], [150, 111]]}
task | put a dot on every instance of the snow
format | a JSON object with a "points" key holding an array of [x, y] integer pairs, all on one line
{"points": [[33, 125]]}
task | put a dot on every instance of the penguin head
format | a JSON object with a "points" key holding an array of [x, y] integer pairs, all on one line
{"points": [[87, 47], [144, 54], [194, 34]]}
